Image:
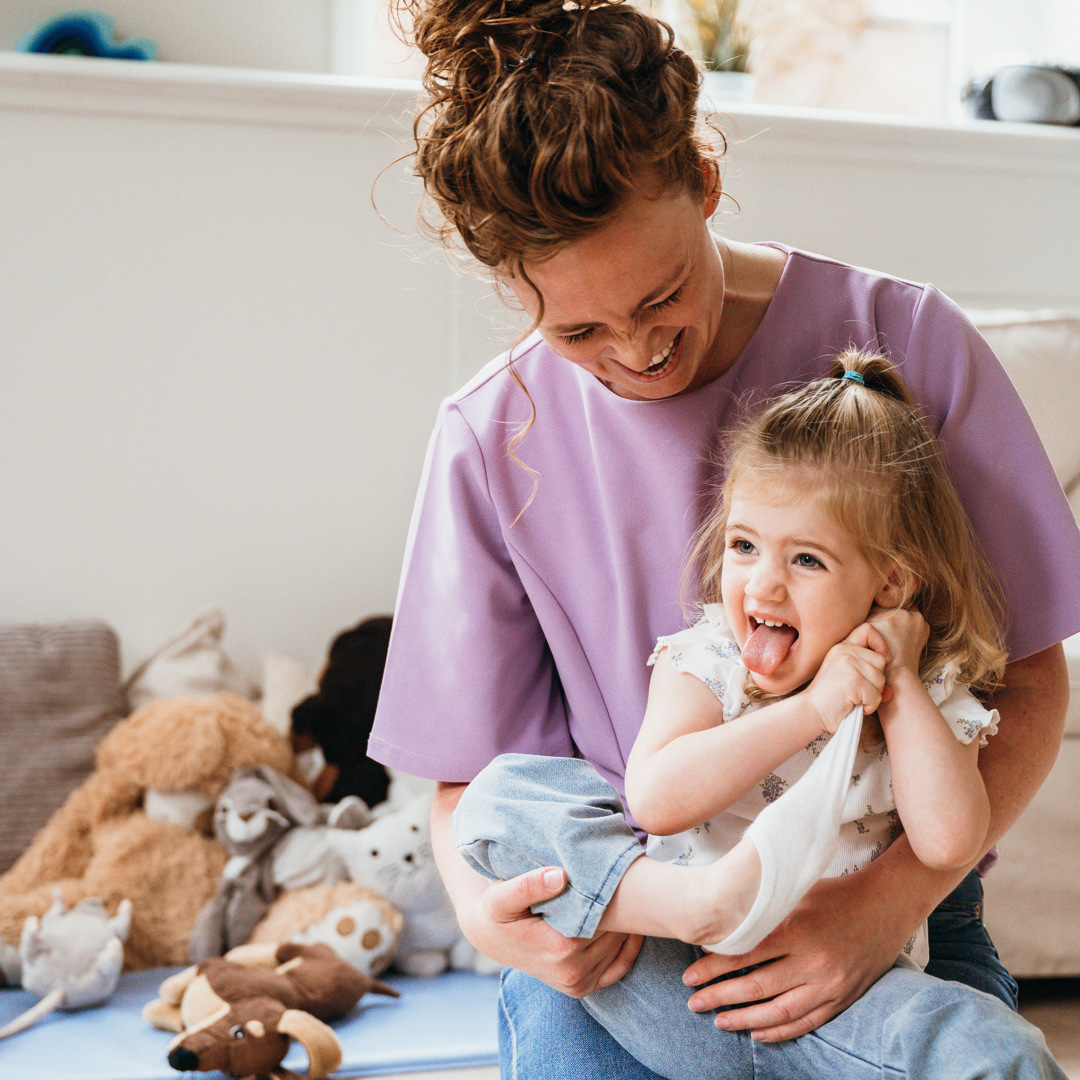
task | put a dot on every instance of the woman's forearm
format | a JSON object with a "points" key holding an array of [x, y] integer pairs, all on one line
{"points": [[1020, 756]]}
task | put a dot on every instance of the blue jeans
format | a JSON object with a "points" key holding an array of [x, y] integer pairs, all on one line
{"points": [[524, 812]]}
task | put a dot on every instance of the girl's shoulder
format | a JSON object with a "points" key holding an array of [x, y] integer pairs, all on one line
{"points": [[968, 718], [708, 651]]}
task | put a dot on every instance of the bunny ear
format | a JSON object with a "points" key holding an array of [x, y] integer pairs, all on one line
{"points": [[320, 1042], [299, 804]]}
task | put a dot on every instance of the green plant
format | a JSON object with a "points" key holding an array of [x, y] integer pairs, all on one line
{"points": [[720, 34]]}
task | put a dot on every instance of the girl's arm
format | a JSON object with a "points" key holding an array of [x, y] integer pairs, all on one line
{"points": [[687, 765], [940, 794], [847, 931]]}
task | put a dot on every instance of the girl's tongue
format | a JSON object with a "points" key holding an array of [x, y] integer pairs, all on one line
{"points": [[767, 646]]}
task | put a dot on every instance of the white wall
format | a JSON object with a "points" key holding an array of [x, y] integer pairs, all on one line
{"points": [[219, 366]]}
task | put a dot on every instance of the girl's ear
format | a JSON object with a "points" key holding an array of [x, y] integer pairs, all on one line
{"points": [[900, 586]]}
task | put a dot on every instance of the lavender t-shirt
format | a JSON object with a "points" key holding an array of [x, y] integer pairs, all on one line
{"points": [[532, 635]]}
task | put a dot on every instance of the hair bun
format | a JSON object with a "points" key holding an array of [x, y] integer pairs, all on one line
{"points": [[872, 370]]}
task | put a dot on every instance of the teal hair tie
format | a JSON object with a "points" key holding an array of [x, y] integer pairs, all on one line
{"points": [[854, 376]]}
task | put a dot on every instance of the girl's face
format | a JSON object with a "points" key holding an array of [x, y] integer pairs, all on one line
{"points": [[789, 563], [638, 303]]}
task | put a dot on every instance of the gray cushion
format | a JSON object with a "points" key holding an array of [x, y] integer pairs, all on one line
{"points": [[59, 694]]}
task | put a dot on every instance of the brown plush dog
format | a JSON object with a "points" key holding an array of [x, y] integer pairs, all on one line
{"points": [[238, 1013], [133, 829]]}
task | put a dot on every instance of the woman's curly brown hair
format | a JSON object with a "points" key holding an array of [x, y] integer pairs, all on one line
{"points": [[541, 116]]}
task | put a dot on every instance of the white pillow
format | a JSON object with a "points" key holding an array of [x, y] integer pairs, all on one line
{"points": [[189, 664]]}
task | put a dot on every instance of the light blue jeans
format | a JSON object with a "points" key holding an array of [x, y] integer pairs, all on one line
{"points": [[523, 812]]}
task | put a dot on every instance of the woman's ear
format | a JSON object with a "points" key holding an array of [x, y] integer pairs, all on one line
{"points": [[711, 172], [900, 586]]}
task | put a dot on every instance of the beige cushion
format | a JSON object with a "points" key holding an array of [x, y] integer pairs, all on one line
{"points": [[1072, 658], [1041, 352], [59, 694]]}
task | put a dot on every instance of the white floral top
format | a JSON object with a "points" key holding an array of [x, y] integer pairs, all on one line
{"points": [[870, 822]]}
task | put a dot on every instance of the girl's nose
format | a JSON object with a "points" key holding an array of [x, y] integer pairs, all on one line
{"points": [[766, 582]]}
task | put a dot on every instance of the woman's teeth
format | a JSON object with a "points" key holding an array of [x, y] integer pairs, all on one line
{"points": [[660, 360]]}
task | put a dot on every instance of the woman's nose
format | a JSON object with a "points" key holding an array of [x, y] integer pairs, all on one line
{"points": [[633, 349]]}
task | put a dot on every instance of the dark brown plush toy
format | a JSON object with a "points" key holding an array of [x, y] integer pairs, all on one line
{"points": [[238, 1013], [339, 717]]}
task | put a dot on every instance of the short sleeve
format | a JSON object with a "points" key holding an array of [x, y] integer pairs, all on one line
{"points": [[468, 674], [968, 718], [708, 651]]}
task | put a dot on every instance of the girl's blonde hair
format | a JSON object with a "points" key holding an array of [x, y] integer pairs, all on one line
{"points": [[867, 451]]}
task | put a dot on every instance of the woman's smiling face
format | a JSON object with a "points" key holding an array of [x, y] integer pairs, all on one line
{"points": [[637, 303]]}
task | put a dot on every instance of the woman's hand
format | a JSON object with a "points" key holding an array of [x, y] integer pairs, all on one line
{"points": [[852, 673], [905, 633], [502, 927], [496, 918], [841, 938]]}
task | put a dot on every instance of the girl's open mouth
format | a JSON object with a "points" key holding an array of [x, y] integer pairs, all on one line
{"points": [[768, 645]]}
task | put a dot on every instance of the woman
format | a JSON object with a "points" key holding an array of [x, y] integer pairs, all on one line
{"points": [[560, 494]]}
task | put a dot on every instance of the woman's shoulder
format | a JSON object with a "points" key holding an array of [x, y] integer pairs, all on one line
{"points": [[835, 280]]}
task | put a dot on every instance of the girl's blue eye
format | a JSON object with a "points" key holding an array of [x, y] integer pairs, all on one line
{"points": [[743, 547], [807, 560], [667, 301]]}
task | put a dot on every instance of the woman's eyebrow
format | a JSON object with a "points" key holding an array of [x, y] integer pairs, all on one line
{"points": [[666, 289]]}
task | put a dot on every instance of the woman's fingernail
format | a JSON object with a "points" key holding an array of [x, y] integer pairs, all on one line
{"points": [[553, 879]]}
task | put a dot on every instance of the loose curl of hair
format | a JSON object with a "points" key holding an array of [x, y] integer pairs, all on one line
{"points": [[867, 451]]}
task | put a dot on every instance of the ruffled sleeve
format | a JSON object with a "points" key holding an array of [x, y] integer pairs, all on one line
{"points": [[967, 717], [708, 651]]}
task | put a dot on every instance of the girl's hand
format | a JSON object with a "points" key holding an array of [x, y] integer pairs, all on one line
{"points": [[905, 632], [852, 673]]}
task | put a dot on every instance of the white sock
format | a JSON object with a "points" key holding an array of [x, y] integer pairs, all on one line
{"points": [[796, 837]]}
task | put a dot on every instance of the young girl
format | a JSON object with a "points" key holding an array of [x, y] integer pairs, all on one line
{"points": [[839, 579]]}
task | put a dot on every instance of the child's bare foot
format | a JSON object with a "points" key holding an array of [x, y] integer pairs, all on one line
{"points": [[699, 905], [719, 896]]}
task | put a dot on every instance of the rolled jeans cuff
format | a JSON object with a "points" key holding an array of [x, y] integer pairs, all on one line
{"points": [[524, 811]]}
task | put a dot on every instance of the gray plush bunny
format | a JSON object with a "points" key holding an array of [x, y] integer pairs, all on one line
{"points": [[274, 831]]}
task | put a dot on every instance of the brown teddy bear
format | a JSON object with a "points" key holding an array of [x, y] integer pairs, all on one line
{"points": [[139, 827]]}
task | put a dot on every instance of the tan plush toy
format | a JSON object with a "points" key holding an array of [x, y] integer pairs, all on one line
{"points": [[139, 826], [238, 1013]]}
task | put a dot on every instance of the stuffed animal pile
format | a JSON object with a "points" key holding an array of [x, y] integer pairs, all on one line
{"points": [[137, 828], [197, 816]]}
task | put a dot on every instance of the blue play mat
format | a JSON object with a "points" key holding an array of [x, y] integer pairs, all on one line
{"points": [[446, 1022]]}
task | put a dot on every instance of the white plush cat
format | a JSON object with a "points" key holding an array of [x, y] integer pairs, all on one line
{"points": [[393, 856]]}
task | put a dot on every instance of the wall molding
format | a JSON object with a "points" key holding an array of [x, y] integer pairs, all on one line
{"points": [[216, 94]]}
